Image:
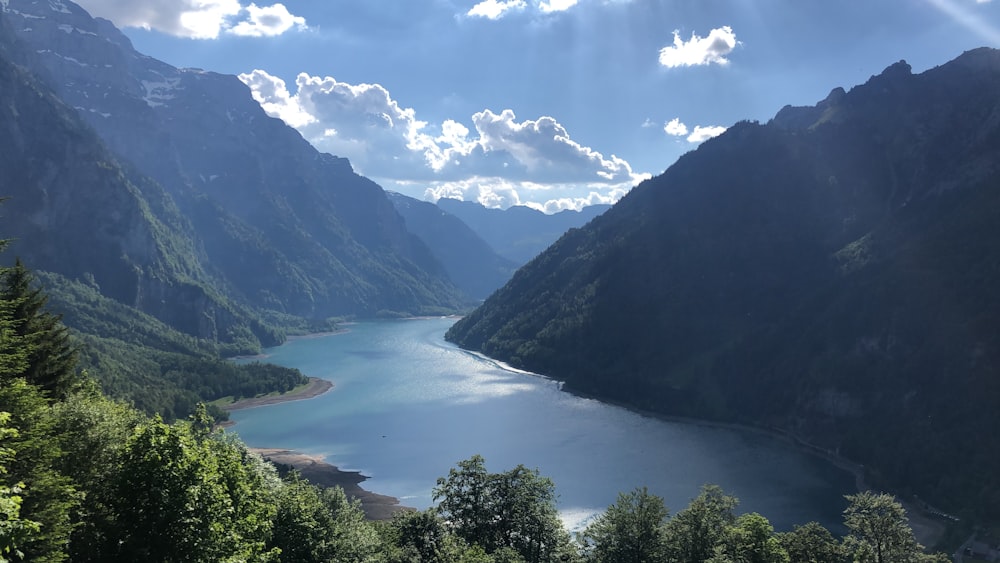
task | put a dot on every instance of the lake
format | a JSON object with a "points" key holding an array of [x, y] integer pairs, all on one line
{"points": [[406, 406]]}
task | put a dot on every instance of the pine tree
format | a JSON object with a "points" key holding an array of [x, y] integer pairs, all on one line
{"points": [[51, 355]]}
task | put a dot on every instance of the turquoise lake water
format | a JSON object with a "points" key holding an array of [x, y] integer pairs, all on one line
{"points": [[407, 406]]}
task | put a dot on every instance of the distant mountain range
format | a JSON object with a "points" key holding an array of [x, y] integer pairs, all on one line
{"points": [[831, 274], [518, 233], [464, 235]]}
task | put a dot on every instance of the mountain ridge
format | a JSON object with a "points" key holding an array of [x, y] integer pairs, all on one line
{"points": [[822, 274], [278, 223]]}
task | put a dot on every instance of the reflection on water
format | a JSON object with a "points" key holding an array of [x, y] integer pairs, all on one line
{"points": [[406, 406]]}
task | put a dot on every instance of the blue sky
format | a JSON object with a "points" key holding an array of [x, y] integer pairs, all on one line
{"points": [[549, 103]]}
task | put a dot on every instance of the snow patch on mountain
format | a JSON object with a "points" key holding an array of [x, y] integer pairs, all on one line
{"points": [[66, 28], [158, 92]]}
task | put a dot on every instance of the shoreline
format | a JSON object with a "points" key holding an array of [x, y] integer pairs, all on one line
{"points": [[927, 530], [315, 468], [319, 472], [313, 389]]}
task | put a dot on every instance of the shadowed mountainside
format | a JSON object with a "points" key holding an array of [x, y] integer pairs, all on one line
{"points": [[830, 274]]}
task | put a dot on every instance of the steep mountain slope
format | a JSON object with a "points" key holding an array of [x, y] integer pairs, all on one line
{"points": [[287, 227], [830, 274], [518, 233], [75, 210], [471, 264]]}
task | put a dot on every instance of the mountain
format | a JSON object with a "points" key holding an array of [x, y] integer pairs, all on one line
{"points": [[518, 233], [470, 263], [278, 224], [830, 274], [74, 209]]}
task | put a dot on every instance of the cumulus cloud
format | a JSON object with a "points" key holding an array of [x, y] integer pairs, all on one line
{"points": [[267, 21], [499, 193], [676, 128], [700, 50], [197, 19], [705, 133], [495, 160], [556, 5], [495, 9]]}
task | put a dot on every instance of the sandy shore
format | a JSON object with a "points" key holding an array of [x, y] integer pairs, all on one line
{"points": [[315, 468], [315, 388], [319, 472]]}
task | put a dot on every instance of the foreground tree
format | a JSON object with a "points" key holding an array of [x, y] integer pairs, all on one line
{"points": [[514, 510], [48, 497], [51, 355], [14, 530], [750, 540], [321, 525], [695, 531], [184, 496], [630, 531], [879, 530], [812, 543]]}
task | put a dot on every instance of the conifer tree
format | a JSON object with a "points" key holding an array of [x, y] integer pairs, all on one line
{"points": [[51, 356]]}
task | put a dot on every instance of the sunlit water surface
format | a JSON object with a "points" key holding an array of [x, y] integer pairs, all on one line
{"points": [[407, 406]]}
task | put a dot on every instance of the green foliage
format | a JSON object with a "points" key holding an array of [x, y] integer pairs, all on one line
{"points": [[693, 533], [92, 431], [183, 495], [812, 543], [629, 531], [513, 510], [879, 530], [750, 540], [48, 496], [14, 530], [321, 525], [140, 359], [52, 357]]}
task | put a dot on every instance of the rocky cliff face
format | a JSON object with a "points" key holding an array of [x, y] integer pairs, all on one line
{"points": [[829, 274], [285, 226]]}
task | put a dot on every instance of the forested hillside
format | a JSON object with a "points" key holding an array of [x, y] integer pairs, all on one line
{"points": [[828, 274]]}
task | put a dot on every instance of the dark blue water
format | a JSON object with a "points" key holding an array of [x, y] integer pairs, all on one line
{"points": [[407, 406]]}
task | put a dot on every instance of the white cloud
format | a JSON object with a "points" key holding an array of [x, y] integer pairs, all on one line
{"points": [[497, 160], [556, 5], [267, 21], [272, 94], [700, 50], [675, 127], [502, 193], [197, 19], [701, 134], [495, 9]]}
